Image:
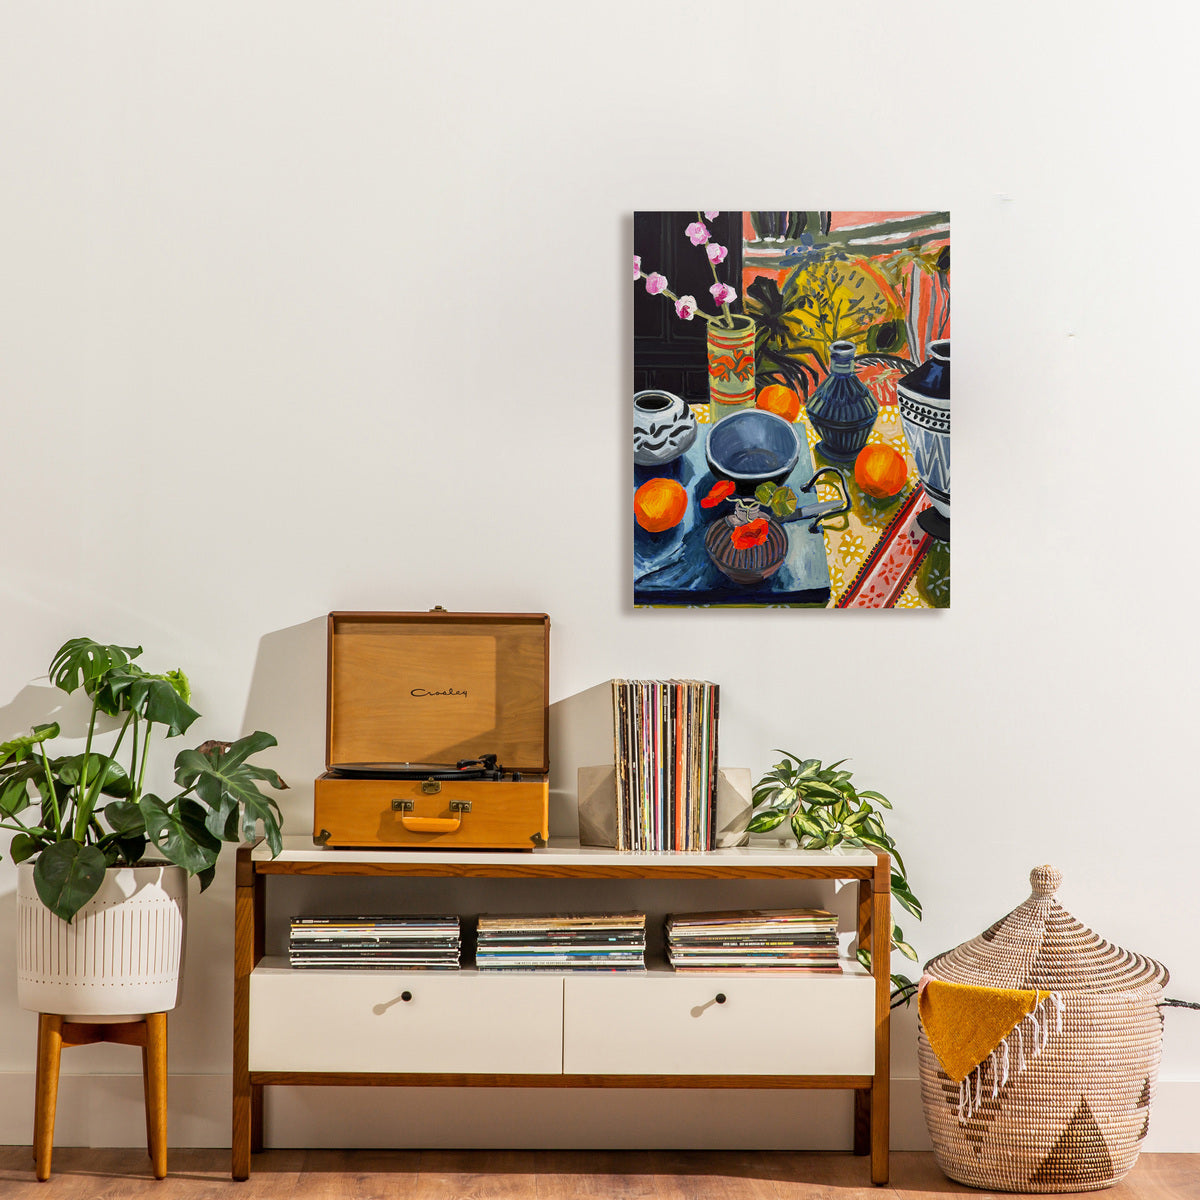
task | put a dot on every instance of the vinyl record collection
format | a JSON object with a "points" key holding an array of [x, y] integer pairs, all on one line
{"points": [[375, 943], [597, 942], [753, 941], [665, 751], [798, 940]]}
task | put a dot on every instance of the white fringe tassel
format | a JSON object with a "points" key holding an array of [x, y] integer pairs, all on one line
{"points": [[970, 1094]]}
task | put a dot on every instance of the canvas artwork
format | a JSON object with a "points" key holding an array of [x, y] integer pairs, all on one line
{"points": [[791, 409]]}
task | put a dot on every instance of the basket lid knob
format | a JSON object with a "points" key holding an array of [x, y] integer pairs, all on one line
{"points": [[1046, 880]]}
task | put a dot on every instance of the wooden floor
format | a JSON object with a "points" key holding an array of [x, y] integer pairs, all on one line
{"points": [[524, 1175]]}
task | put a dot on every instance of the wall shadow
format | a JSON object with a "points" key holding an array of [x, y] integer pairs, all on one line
{"points": [[38, 704], [287, 699], [624, 577], [581, 735]]}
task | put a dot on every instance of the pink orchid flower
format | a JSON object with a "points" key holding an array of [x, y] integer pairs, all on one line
{"points": [[637, 266], [656, 283], [698, 232], [716, 254], [711, 215], [722, 293], [685, 307]]}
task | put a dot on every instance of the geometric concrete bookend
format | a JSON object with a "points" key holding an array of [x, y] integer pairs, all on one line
{"points": [[734, 808], [598, 806]]}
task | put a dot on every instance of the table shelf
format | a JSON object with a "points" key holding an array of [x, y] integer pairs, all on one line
{"points": [[661, 1028]]}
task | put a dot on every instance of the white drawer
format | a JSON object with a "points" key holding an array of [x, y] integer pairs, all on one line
{"points": [[356, 1021], [670, 1024]]}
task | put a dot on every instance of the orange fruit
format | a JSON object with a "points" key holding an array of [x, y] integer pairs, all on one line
{"points": [[659, 504], [780, 400], [880, 471]]}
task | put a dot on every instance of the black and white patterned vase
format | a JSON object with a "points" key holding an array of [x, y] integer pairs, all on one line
{"points": [[924, 396], [663, 427]]}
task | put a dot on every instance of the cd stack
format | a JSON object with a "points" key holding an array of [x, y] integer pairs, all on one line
{"points": [[375, 943], [756, 940], [597, 942]]}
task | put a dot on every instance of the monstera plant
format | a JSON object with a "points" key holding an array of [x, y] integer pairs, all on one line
{"points": [[75, 816]]}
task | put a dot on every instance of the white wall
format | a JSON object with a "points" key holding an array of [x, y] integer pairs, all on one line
{"points": [[315, 305]]}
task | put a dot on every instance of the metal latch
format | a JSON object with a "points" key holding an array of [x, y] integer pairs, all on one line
{"points": [[458, 806], [431, 787]]}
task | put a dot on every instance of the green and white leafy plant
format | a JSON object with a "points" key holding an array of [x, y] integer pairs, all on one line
{"points": [[823, 808], [76, 815]]}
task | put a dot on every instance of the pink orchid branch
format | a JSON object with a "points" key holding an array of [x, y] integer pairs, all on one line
{"points": [[670, 295], [713, 266], [685, 306]]}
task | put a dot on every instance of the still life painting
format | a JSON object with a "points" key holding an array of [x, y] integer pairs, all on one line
{"points": [[791, 409]]}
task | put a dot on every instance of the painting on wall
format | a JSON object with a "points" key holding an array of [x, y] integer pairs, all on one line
{"points": [[791, 409]]}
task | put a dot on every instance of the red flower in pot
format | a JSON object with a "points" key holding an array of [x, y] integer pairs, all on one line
{"points": [[750, 544]]}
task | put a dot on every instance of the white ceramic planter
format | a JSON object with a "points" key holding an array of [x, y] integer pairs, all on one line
{"points": [[121, 956]]}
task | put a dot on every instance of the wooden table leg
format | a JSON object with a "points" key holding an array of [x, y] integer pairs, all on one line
{"points": [[247, 940], [862, 1096], [146, 1101], [862, 1121], [256, 1118], [260, 948], [881, 959], [37, 1087], [155, 1059], [49, 1058]]}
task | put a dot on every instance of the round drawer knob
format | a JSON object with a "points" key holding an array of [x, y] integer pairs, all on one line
{"points": [[406, 996], [720, 997]]}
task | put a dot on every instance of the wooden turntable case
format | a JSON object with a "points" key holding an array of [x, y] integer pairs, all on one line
{"points": [[436, 687]]}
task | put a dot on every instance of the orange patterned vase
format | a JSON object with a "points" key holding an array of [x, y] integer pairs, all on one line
{"points": [[730, 367]]}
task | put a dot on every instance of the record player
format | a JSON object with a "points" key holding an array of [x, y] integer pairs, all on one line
{"points": [[436, 731]]}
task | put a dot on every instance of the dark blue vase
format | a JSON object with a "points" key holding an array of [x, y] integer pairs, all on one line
{"points": [[842, 410]]}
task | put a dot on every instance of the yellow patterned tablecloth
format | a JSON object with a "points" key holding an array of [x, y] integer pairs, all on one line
{"points": [[849, 539]]}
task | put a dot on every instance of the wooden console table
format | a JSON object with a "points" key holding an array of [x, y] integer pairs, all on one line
{"points": [[321, 1027]]}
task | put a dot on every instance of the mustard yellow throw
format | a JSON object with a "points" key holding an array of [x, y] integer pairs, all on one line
{"points": [[964, 1024]]}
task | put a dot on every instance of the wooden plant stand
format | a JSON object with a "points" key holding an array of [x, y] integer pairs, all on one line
{"points": [[327, 1027], [55, 1033]]}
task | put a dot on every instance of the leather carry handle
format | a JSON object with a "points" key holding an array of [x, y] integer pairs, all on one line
{"points": [[431, 824]]}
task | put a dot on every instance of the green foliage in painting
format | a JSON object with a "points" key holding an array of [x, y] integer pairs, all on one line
{"points": [[829, 291], [829, 296]]}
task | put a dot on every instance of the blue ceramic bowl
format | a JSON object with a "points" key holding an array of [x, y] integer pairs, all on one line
{"points": [[751, 448]]}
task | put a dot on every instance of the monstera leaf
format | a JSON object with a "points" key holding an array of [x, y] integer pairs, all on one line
{"points": [[113, 781], [15, 779], [67, 875], [21, 748], [220, 775], [82, 662], [161, 699], [178, 830]]}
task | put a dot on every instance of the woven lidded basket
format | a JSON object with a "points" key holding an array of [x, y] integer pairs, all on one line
{"points": [[1067, 1105]]}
